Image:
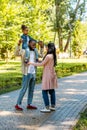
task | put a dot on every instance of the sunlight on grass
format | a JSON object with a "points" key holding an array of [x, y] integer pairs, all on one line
{"points": [[11, 75]]}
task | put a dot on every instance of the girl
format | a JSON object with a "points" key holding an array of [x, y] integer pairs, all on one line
{"points": [[25, 38], [49, 80]]}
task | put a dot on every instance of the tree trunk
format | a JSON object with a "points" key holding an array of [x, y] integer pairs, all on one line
{"points": [[54, 37], [7, 56], [67, 43], [58, 29], [60, 40]]}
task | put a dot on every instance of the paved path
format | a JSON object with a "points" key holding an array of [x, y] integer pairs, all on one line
{"points": [[71, 99]]}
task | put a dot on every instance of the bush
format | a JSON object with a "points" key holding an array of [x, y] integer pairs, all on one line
{"points": [[11, 77]]}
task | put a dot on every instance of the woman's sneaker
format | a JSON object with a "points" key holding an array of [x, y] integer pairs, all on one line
{"points": [[45, 110], [52, 108]]}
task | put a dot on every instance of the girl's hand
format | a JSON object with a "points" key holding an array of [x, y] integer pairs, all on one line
{"points": [[20, 42]]}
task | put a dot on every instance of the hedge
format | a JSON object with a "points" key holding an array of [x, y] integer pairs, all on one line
{"points": [[11, 77]]}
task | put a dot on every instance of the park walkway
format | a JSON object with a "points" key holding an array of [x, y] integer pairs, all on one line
{"points": [[71, 99]]}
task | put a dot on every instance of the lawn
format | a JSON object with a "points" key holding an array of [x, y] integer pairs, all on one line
{"points": [[11, 77]]}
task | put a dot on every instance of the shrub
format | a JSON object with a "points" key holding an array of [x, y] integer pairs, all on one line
{"points": [[11, 77]]}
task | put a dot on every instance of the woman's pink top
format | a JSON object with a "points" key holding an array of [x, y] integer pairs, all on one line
{"points": [[49, 80]]}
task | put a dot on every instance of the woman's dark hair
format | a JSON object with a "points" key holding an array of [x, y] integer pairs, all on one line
{"points": [[23, 27], [52, 50]]}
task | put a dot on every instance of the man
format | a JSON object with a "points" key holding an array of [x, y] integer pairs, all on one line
{"points": [[28, 81]]}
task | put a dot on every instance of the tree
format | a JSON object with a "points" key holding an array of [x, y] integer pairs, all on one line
{"points": [[9, 29], [39, 16], [74, 15], [67, 12], [34, 14], [60, 18], [79, 38]]}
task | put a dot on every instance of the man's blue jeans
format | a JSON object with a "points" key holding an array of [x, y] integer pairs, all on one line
{"points": [[28, 81], [46, 97]]}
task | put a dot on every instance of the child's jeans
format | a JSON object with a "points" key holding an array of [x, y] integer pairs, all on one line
{"points": [[27, 53], [28, 82], [46, 97]]}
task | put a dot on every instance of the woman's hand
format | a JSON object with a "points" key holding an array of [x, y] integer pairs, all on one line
{"points": [[29, 63]]}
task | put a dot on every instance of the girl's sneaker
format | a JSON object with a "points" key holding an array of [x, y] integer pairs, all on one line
{"points": [[45, 110], [52, 108]]}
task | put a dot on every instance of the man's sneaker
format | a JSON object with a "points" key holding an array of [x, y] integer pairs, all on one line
{"points": [[31, 107], [45, 110], [52, 108], [17, 107]]}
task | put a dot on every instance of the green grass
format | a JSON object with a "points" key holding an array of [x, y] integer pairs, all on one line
{"points": [[11, 77], [82, 123]]}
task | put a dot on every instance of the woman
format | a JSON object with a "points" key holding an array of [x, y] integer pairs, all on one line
{"points": [[49, 80]]}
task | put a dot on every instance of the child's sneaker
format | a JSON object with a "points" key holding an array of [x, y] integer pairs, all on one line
{"points": [[45, 110], [19, 108]]}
